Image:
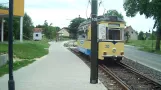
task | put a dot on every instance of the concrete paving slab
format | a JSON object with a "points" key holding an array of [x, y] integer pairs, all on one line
{"points": [[59, 70], [148, 59]]}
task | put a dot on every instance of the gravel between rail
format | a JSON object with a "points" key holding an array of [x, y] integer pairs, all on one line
{"points": [[149, 72], [136, 83]]}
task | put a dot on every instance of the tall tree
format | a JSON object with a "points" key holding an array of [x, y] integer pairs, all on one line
{"points": [[150, 8], [49, 30], [73, 27], [127, 35], [140, 36], [27, 27], [114, 13]]}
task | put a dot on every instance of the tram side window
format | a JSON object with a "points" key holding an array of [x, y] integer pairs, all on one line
{"points": [[114, 34], [82, 36]]}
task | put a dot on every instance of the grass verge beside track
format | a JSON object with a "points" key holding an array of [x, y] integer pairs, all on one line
{"points": [[145, 45], [17, 65], [24, 53]]}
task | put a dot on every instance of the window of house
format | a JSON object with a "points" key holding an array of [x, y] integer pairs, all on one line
{"points": [[132, 32], [37, 35]]}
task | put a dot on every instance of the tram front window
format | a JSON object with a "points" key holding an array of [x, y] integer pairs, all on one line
{"points": [[114, 35]]}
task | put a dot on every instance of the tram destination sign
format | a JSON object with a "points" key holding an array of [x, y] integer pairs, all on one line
{"points": [[102, 31]]}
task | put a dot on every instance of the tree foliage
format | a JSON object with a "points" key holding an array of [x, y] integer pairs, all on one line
{"points": [[140, 36], [27, 27], [149, 8], [127, 35], [114, 13], [153, 36], [73, 27], [48, 30]]}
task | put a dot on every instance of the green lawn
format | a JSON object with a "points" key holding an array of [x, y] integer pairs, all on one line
{"points": [[145, 45], [27, 49], [17, 65], [26, 52]]}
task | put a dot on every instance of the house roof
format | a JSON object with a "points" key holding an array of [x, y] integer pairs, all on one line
{"points": [[37, 30], [61, 31], [128, 28]]}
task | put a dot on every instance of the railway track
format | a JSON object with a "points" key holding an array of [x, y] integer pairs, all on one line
{"points": [[131, 78], [123, 85], [154, 82], [126, 77]]}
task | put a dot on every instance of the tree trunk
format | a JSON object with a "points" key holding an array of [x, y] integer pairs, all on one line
{"points": [[158, 40]]}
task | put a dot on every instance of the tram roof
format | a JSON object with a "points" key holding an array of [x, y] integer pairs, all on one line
{"points": [[104, 18]]}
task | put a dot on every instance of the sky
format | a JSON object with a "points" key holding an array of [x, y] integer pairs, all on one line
{"points": [[60, 12]]}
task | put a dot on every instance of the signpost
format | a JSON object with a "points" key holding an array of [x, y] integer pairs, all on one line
{"points": [[94, 45], [11, 83]]}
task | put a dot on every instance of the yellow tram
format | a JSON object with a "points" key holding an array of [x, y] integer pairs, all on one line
{"points": [[110, 37]]}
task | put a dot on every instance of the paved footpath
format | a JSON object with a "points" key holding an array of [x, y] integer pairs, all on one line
{"points": [[149, 59], [59, 70]]}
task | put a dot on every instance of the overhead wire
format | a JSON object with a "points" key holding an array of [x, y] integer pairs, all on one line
{"points": [[99, 4], [89, 2], [5, 3], [102, 3]]}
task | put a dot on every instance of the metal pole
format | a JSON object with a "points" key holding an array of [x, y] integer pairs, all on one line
{"points": [[78, 29], [21, 29], [152, 40], [94, 44], [11, 83], [2, 30]]}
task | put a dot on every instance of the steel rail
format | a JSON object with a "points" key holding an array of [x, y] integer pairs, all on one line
{"points": [[124, 85], [139, 73]]}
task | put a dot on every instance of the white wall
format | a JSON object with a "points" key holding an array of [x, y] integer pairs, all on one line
{"points": [[37, 36], [133, 35], [65, 33]]}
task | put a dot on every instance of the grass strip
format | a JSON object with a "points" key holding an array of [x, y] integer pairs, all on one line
{"points": [[16, 65]]}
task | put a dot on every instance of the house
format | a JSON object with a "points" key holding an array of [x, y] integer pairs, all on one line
{"points": [[132, 33], [64, 32], [37, 34]]}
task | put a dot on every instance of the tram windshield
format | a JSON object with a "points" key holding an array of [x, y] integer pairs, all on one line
{"points": [[114, 35]]}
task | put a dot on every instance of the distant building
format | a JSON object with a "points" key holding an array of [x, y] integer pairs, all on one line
{"points": [[133, 34], [37, 34], [64, 32]]}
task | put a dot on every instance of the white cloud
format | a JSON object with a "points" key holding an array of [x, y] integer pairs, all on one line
{"points": [[58, 11], [59, 17]]}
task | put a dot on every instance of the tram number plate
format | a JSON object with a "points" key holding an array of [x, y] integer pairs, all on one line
{"points": [[107, 46], [94, 19]]}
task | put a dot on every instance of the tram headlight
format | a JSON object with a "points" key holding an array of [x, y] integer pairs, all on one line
{"points": [[114, 50], [122, 53], [104, 53]]}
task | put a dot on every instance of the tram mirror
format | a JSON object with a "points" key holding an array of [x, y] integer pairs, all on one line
{"points": [[83, 36]]}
